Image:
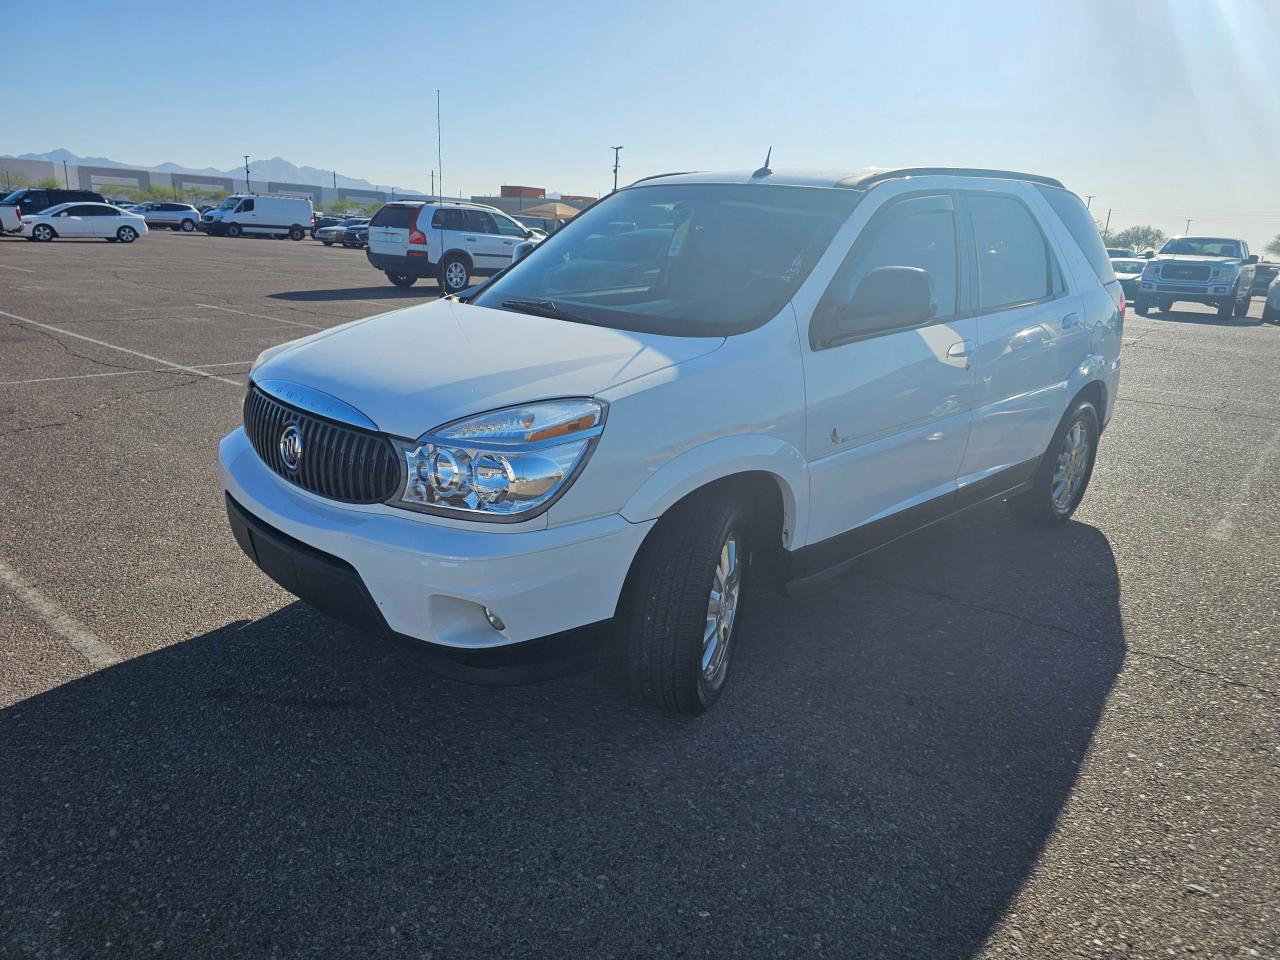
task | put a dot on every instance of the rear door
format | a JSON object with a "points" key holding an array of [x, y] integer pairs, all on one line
{"points": [[1030, 332], [482, 240], [389, 230]]}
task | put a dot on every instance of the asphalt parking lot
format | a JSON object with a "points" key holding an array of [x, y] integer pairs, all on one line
{"points": [[986, 741]]}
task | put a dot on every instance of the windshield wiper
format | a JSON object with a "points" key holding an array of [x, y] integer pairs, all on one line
{"points": [[546, 308]]}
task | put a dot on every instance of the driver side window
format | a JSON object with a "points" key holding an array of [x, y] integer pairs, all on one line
{"points": [[509, 228], [918, 233], [246, 205]]}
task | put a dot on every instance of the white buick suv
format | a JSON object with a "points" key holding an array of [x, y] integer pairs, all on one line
{"points": [[704, 385]]}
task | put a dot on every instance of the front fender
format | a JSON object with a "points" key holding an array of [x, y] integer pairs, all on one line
{"points": [[721, 458]]}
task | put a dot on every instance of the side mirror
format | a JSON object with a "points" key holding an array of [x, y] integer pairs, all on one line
{"points": [[1251, 258], [886, 298]]}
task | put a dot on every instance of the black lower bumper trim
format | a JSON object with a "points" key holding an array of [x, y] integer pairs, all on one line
{"points": [[408, 266], [333, 586]]}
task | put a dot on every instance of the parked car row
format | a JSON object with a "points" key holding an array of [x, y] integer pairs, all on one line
{"points": [[338, 232]]}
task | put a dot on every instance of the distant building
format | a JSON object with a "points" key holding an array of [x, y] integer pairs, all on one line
{"points": [[523, 193], [574, 200]]}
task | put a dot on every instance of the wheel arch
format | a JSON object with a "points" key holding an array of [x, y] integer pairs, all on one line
{"points": [[1095, 391], [461, 255]]}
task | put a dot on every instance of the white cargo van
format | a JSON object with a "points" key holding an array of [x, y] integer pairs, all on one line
{"points": [[261, 215]]}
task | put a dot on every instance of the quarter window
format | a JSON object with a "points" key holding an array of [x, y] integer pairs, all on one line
{"points": [[913, 232], [1014, 262]]}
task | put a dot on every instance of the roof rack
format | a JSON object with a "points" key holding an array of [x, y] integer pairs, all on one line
{"points": [[863, 181]]}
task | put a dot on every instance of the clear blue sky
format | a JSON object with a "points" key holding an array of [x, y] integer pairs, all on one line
{"points": [[1162, 110]]}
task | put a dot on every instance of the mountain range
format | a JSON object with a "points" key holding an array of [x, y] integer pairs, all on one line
{"points": [[277, 169]]}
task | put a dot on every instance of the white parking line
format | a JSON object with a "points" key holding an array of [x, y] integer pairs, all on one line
{"points": [[1225, 527], [117, 373], [82, 639], [259, 316], [133, 353], [23, 269]]}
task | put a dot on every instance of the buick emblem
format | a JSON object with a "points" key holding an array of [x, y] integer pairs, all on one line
{"points": [[291, 447]]}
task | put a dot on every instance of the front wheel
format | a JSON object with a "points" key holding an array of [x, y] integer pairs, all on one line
{"points": [[296, 233], [401, 279], [1141, 305], [188, 226], [327, 243], [126, 234], [42, 232], [681, 610], [454, 274], [1242, 307], [1226, 308], [1270, 314], [1064, 471], [1164, 304], [233, 230]]}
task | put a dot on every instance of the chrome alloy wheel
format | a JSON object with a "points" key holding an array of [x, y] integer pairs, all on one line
{"points": [[722, 606], [455, 276], [1072, 466]]}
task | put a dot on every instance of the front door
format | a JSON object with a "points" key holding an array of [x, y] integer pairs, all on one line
{"points": [[888, 412], [74, 222], [482, 240]]}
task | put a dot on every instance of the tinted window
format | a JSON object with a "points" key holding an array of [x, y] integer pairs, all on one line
{"points": [[479, 221], [1075, 217], [246, 205], [82, 210], [448, 218], [913, 232], [393, 216], [1014, 264], [1202, 247], [35, 200], [509, 228], [681, 259]]}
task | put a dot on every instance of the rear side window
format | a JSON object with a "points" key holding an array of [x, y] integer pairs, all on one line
{"points": [[392, 216], [479, 221], [1014, 262], [1075, 217], [449, 218]]}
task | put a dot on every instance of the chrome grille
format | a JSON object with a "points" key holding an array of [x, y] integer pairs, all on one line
{"points": [[338, 461], [1184, 271]]}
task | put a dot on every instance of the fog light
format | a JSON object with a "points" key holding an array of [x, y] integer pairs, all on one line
{"points": [[495, 621]]}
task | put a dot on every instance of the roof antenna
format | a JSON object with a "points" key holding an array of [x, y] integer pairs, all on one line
{"points": [[764, 171]]}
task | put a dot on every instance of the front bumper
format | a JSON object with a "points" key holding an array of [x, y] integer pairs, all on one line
{"points": [[398, 575], [1211, 292]]}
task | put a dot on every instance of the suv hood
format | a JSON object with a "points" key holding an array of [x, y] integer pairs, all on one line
{"points": [[412, 370]]}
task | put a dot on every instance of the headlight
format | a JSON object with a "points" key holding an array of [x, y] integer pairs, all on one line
{"points": [[508, 464], [1224, 272]]}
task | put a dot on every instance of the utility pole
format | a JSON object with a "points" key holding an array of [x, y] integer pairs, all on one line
{"points": [[433, 184], [615, 168], [1106, 231], [1188, 227], [439, 145], [335, 180], [247, 188], [1088, 200], [65, 181]]}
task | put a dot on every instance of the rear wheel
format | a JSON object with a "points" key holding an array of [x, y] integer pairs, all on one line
{"points": [[1141, 305], [126, 234], [455, 275], [296, 232], [42, 232], [1064, 471], [401, 279], [233, 230], [681, 608], [327, 243]]}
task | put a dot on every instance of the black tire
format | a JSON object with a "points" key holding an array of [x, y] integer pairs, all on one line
{"points": [[233, 230], [401, 279], [1141, 305], [662, 615], [43, 232], [126, 234], [296, 232], [327, 243], [1164, 304], [1226, 308], [188, 226], [1037, 505], [1242, 306], [455, 274], [1269, 315]]}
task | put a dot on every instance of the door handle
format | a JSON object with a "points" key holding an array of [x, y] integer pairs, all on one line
{"points": [[1070, 320], [962, 349], [506, 243], [471, 239]]}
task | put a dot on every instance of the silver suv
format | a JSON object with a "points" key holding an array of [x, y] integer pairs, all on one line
{"points": [[166, 213], [449, 240], [1213, 270]]}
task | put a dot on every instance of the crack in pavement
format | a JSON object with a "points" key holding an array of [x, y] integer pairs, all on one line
{"points": [[89, 414], [67, 349], [1086, 638]]}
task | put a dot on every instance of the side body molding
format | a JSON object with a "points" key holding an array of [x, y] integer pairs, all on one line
{"points": [[725, 457]]}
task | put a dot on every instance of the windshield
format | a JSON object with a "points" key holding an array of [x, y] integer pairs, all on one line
{"points": [[692, 260], [1128, 266], [228, 203], [1202, 247]]}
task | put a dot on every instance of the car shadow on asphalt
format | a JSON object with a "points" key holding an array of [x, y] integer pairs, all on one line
{"points": [[880, 780], [382, 292]]}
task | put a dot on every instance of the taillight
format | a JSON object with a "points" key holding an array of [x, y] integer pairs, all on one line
{"points": [[417, 236], [1121, 303]]}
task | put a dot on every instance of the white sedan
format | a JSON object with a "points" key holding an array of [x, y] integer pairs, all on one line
{"points": [[84, 220]]}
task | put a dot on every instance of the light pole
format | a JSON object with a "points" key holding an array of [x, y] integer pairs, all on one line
{"points": [[1188, 227], [65, 181], [247, 188], [616, 151], [1088, 201]]}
